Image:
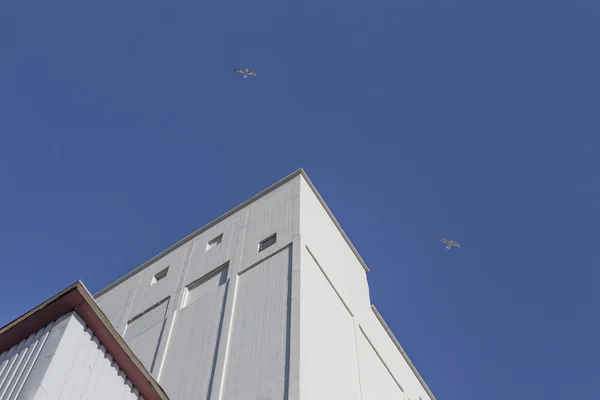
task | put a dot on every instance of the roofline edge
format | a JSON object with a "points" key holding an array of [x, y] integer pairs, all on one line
{"points": [[404, 355], [264, 192], [28, 314], [120, 341], [335, 221]]}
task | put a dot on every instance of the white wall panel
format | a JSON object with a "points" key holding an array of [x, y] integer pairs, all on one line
{"points": [[145, 346], [144, 333], [391, 356], [257, 349], [63, 361], [328, 245], [328, 360], [16, 363], [190, 355], [377, 383], [321, 236]]}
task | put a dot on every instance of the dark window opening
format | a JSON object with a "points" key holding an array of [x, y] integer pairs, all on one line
{"points": [[159, 275], [214, 242], [267, 242]]}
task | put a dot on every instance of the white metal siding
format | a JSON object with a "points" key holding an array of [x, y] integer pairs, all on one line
{"points": [[62, 361], [16, 363]]}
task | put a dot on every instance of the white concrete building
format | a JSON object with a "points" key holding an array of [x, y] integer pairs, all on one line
{"points": [[268, 302], [65, 349]]}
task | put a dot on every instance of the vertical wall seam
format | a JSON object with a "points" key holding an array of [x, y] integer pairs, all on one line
{"points": [[228, 341], [295, 282], [221, 349], [122, 324], [288, 328], [354, 326], [213, 370], [175, 305]]}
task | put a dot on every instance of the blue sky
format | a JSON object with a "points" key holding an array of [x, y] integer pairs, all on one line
{"points": [[123, 128]]}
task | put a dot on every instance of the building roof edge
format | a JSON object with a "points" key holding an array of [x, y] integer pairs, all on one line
{"points": [[404, 355], [298, 172], [335, 221]]}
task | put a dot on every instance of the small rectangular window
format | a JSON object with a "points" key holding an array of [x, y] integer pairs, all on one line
{"points": [[159, 275], [212, 243], [267, 242]]}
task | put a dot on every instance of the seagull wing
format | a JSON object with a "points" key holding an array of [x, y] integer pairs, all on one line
{"points": [[456, 244], [251, 72], [445, 241], [239, 70]]}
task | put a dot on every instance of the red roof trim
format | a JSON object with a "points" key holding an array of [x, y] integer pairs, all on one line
{"points": [[77, 298], [37, 318]]}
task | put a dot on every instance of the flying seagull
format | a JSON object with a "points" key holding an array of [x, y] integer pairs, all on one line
{"points": [[245, 71], [450, 243]]}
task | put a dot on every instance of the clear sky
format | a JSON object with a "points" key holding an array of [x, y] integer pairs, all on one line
{"points": [[123, 128]]}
